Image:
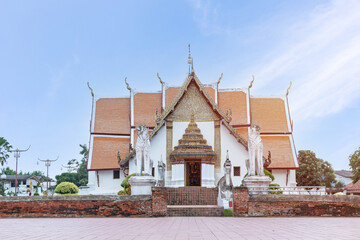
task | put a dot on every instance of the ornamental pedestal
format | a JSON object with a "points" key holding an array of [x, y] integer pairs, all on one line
{"points": [[257, 184], [141, 185]]}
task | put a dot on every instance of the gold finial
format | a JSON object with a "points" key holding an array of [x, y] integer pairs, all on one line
{"points": [[251, 83], [218, 82], [287, 91], [127, 85], [162, 83], [92, 93], [190, 61]]}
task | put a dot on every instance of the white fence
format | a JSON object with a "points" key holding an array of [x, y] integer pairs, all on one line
{"points": [[298, 190]]}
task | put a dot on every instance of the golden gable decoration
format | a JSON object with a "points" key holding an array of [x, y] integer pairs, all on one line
{"points": [[193, 147]]}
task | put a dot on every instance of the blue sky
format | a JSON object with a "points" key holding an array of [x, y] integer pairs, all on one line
{"points": [[50, 49]]}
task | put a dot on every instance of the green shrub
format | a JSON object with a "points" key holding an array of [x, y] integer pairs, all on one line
{"points": [[228, 212], [36, 194], [274, 189], [66, 188]]}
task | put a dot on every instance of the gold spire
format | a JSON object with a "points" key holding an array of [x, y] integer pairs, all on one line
{"points": [[190, 61]]}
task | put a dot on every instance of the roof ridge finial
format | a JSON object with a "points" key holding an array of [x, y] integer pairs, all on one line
{"points": [[190, 61], [288, 90]]}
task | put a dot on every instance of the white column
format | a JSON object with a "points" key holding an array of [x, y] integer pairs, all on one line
{"points": [[207, 175], [132, 131], [178, 174]]}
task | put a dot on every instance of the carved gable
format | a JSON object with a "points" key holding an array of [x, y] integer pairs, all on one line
{"points": [[193, 101]]}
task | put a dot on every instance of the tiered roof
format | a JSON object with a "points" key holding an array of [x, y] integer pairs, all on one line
{"points": [[112, 117]]}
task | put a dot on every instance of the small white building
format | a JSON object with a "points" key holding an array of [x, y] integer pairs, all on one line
{"points": [[191, 129], [26, 184]]}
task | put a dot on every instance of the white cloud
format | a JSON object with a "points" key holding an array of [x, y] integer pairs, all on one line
{"points": [[322, 58]]}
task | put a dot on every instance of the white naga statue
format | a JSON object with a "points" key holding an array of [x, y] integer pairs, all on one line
{"points": [[143, 151], [256, 152]]}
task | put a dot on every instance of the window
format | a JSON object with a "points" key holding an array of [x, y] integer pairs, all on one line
{"points": [[116, 174], [236, 171], [153, 172], [12, 184]]}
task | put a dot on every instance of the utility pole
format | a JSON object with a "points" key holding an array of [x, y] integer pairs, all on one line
{"points": [[17, 156], [47, 165]]}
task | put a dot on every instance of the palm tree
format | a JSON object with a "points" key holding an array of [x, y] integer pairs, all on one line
{"points": [[4, 150]]}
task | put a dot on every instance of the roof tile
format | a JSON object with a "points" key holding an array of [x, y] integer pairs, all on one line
{"points": [[112, 115], [236, 101], [105, 151], [145, 105], [269, 113]]}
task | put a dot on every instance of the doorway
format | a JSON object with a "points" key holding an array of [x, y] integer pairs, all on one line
{"points": [[193, 173]]}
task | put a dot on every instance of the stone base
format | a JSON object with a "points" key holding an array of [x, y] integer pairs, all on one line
{"points": [[141, 185], [257, 184]]}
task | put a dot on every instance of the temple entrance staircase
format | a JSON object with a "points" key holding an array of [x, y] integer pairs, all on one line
{"points": [[193, 201]]}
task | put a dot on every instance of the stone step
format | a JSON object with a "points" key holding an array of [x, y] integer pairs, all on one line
{"points": [[192, 196], [195, 210]]}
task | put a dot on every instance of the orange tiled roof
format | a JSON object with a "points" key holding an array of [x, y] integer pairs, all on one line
{"points": [[236, 101], [145, 105], [243, 132], [112, 116], [281, 151], [211, 92], [353, 187], [269, 113], [170, 94], [105, 149]]}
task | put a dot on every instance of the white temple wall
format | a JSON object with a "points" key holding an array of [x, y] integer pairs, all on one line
{"points": [[292, 178], [280, 176], [107, 184], [237, 155], [158, 149], [207, 175], [178, 175], [91, 178]]}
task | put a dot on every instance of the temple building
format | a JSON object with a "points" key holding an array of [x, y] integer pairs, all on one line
{"points": [[193, 128]]}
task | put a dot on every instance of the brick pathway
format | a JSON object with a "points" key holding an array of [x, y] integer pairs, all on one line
{"points": [[180, 228]]}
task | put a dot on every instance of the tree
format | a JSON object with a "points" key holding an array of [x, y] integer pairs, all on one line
{"points": [[37, 173], [67, 177], [9, 171], [314, 171], [80, 178], [82, 170], [5, 147], [355, 165]]}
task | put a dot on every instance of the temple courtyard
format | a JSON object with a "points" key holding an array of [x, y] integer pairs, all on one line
{"points": [[181, 228]]}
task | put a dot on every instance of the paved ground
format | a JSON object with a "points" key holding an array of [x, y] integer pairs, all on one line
{"points": [[180, 228]]}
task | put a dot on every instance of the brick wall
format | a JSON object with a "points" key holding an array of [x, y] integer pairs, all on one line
{"points": [[84, 206], [294, 205], [159, 201]]}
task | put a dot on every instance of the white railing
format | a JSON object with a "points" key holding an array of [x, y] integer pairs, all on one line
{"points": [[298, 190]]}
